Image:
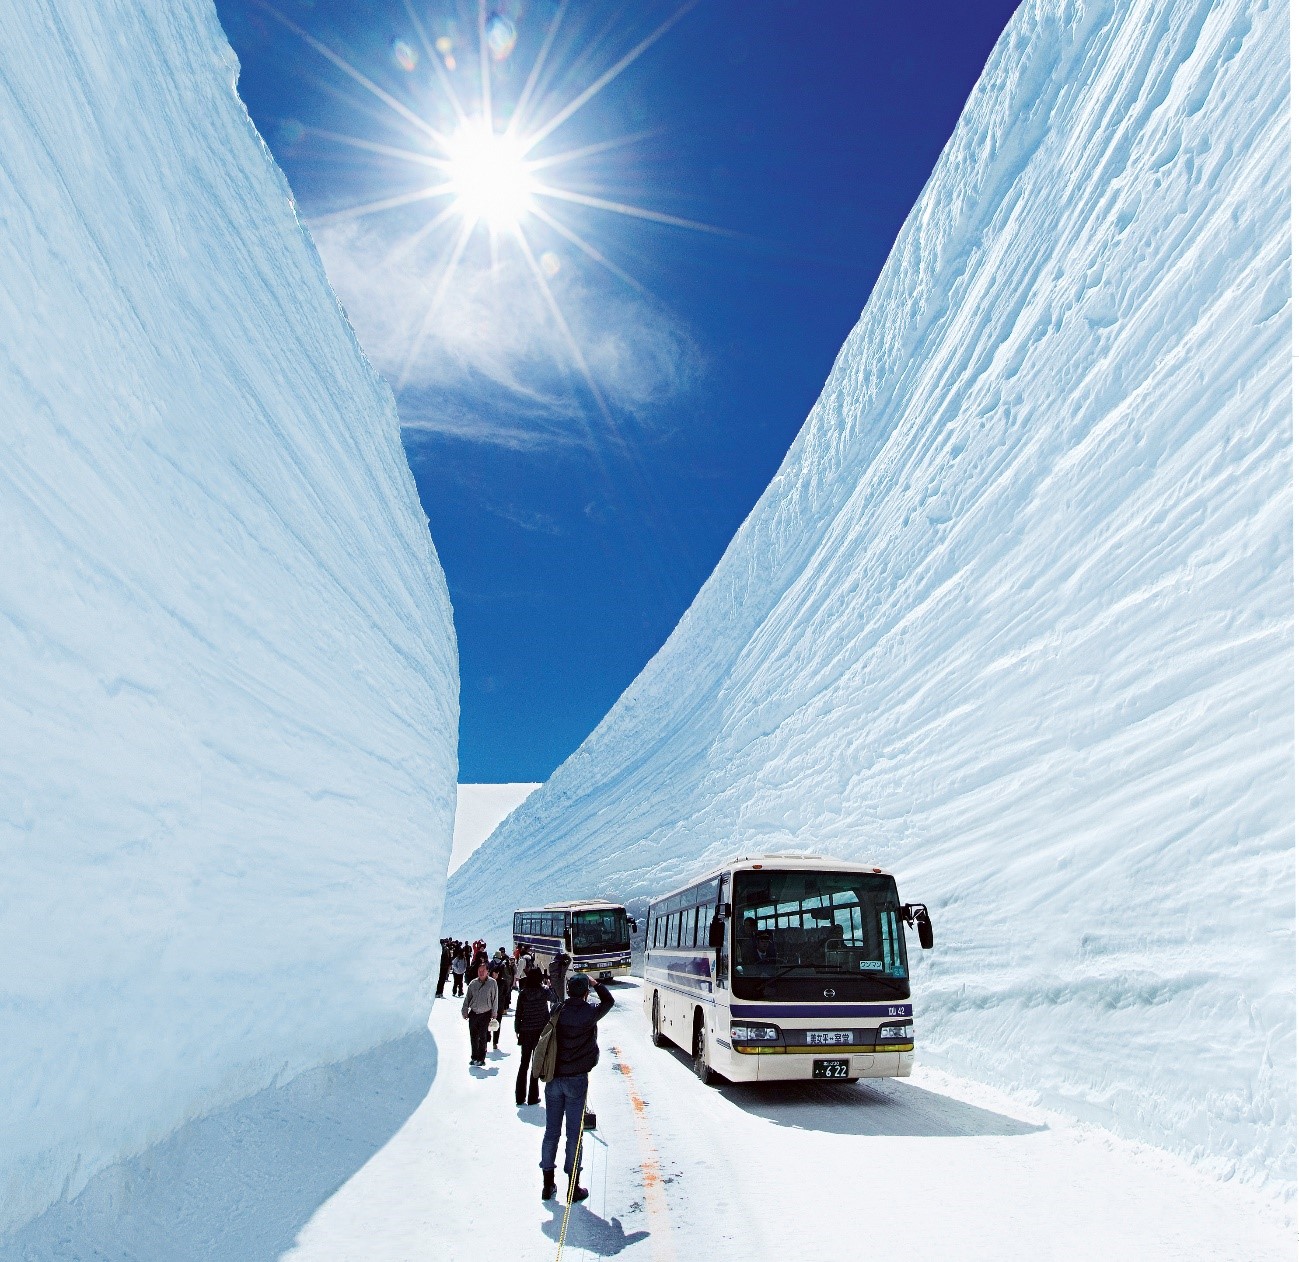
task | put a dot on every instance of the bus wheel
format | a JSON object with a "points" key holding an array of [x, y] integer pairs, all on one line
{"points": [[656, 1025], [702, 1071]]}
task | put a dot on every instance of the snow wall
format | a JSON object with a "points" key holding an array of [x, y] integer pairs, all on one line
{"points": [[228, 678], [1014, 617]]}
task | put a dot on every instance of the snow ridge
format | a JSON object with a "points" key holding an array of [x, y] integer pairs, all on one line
{"points": [[1015, 615], [228, 678]]}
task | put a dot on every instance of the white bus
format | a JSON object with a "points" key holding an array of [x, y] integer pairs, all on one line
{"points": [[782, 967], [595, 933]]}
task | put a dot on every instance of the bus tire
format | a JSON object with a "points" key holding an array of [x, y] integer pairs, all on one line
{"points": [[700, 1051], [656, 1024]]}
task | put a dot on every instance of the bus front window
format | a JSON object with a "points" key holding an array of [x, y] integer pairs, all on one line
{"points": [[817, 935], [602, 930]]}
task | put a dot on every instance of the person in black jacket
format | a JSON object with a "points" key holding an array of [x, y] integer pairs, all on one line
{"points": [[530, 1017], [577, 1049], [444, 966]]}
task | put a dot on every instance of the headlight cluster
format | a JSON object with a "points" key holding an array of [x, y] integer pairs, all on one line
{"points": [[754, 1034], [889, 1032]]}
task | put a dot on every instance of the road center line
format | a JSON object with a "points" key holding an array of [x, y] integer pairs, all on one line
{"points": [[656, 1201]]}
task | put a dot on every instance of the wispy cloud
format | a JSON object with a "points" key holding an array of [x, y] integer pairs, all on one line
{"points": [[493, 365]]}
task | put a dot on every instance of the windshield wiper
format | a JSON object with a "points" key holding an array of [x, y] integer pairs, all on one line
{"points": [[777, 975], [898, 985]]}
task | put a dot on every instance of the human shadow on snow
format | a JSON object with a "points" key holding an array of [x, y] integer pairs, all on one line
{"points": [[240, 1184], [588, 1231]]}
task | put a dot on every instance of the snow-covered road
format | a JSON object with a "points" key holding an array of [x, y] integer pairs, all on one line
{"points": [[934, 1166]]}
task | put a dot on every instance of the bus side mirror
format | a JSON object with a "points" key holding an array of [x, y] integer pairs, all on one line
{"points": [[917, 914], [717, 933], [633, 924]]}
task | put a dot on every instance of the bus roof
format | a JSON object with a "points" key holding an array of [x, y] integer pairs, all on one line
{"points": [[572, 903], [793, 861]]}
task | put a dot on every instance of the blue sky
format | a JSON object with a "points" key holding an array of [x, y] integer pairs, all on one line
{"points": [[591, 409]]}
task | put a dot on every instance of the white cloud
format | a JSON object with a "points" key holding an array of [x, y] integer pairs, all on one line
{"points": [[494, 363]]}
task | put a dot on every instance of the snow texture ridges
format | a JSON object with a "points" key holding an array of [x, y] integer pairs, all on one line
{"points": [[228, 678], [1014, 617]]}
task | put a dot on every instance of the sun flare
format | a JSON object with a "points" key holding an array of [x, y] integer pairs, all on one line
{"points": [[503, 180], [489, 176]]}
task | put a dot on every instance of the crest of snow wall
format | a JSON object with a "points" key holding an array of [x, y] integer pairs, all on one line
{"points": [[228, 677], [1014, 617]]}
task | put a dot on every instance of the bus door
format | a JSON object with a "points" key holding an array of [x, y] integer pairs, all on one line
{"points": [[719, 935]]}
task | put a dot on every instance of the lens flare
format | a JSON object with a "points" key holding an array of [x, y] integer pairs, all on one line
{"points": [[404, 55], [489, 176], [500, 35]]}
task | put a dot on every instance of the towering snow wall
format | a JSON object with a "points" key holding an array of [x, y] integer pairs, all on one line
{"points": [[1014, 616], [227, 669]]}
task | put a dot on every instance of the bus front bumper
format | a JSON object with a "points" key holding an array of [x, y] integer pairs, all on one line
{"points": [[797, 1066]]}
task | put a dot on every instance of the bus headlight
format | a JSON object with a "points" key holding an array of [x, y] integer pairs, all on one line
{"points": [[754, 1033], [891, 1032]]}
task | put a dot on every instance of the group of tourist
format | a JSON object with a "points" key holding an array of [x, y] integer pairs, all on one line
{"points": [[544, 997]]}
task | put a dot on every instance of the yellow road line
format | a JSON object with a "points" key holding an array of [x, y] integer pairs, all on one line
{"points": [[656, 1201]]}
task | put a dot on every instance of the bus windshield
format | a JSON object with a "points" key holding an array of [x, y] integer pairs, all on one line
{"points": [[602, 929], [817, 935]]}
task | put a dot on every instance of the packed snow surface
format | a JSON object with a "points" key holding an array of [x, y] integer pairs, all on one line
{"points": [[368, 1163], [479, 809], [227, 668], [1014, 617]]}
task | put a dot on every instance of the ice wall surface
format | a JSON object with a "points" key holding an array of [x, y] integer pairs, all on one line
{"points": [[1014, 616], [227, 669]]}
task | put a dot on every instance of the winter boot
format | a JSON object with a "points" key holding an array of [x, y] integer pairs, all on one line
{"points": [[547, 1185], [578, 1193]]}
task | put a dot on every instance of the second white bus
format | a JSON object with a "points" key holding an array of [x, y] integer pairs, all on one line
{"points": [[595, 933], [782, 967]]}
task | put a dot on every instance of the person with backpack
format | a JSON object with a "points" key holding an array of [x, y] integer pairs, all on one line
{"points": [[559, 974], [479, 1009], [569, 1055], [530, 1018]]}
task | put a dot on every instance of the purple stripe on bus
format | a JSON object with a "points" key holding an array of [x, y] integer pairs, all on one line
{"points": [[742, 1010]]}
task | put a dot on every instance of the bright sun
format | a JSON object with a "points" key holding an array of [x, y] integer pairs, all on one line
{"points": [[496, 179], [489, 176]]}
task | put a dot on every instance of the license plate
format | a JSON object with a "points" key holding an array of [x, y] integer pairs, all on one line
{"points": [[828, 1038], [829, 1069]]}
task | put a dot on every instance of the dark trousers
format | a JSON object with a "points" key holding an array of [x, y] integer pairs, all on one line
{"points": [[565, 1104], [478, 1022], [443, 970], [525, 1082], [457, 985]]}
